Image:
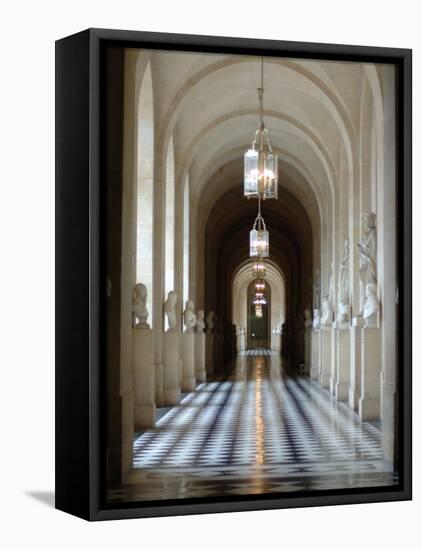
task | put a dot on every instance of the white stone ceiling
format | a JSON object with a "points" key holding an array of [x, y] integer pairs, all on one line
{"points": [[210, 104]]}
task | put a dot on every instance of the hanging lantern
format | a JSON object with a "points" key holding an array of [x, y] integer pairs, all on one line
{"points": [[260, 162], [259, 245], [259, 299], [258, 270], [258, 310], [259, 284]]}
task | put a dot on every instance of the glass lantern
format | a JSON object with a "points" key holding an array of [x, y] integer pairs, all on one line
{"points": [[261, 168], [251, 173], [259, 242], [258, 270], [259, 299], [259, 285]]}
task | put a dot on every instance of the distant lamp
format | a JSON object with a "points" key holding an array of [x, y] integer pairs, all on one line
{"points": [[259, 299], [259, 285], [259, 245], [258, 311], [258, 270]]}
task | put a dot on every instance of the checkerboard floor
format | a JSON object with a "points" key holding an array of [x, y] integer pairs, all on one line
{"points": [[259, 430]]}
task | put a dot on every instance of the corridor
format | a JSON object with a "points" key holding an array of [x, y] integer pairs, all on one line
{"points": [[258, 430]]}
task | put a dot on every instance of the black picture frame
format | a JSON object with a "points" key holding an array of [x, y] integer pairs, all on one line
{"points": [[80, 276]]}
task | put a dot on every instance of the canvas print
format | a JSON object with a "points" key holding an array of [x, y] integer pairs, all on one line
{"points": [[251, 295]]}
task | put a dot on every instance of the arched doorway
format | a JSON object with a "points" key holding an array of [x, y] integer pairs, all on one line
{"points": [[259, 321]]}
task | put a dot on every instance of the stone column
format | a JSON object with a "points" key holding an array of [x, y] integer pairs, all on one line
{"points": [[326, 356], [315, 354], [171, 365], [188, 361], [341, 389], [369, 402], [200, 371], [143, 377], [355, 363]]}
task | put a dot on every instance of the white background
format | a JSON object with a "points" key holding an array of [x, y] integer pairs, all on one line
{"points": [[28, 32]]}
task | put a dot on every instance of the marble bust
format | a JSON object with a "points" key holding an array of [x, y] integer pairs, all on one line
{"points": [[367, 250], [189, 317], [317, 319], [170, 310], [371, 305], [139, 306], [343, 305], [210, 322], [308, 318], [316, 285], [200, 323], [327, 312]]}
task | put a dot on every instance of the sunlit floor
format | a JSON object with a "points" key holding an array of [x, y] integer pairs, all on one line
{"points": [[258, 431]]}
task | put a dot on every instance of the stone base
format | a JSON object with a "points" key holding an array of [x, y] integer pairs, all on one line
{"points": [[324, 380], [240, 342], [342, 385], [353, 399], [341, 391], [143, 378], [188, 361], [315, 354], [171, 366], [308, 351], [144, 416], [188, 384], [326, 357], [370, 398], [158, 368], [369, 409], [333, 384], [209, 353], [200, 372], [171, 396], [355, 364]]}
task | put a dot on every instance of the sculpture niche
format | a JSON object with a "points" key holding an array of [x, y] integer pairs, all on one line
{"points": [[139, 307]]}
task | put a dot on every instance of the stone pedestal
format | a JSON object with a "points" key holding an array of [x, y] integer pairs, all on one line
{"points": [[388, 409], [171, 366], [143, 378], [188, 361], [240, 342], [341, 389], [200, 372], [209, 353], [308, 351], [326, 357], [334, 361], [315, 354], [355, 364], [158, 367], [369, 402]]}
